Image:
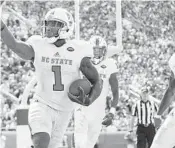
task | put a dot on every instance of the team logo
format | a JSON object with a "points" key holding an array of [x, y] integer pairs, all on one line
{"points": [[56, 54], [79, 109], [51, 15], [70, 49], [103, 66]]}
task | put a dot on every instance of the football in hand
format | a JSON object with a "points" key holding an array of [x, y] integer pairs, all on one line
{"points": [[83, 83]]}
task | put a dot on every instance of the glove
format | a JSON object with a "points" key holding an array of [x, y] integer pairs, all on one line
{"points": [[158, 121], [130, 136], [107, 120], [82, 99]]}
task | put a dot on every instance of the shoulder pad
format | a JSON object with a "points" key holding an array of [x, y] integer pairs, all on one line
{"points": [[84, 47], [79, 42], [110, 61], [34, 38]]}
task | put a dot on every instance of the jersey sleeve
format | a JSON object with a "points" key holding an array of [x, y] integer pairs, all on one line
{"points": [[172, 63], [112, 66], [134, 110], [32, 40], [88, 50]]}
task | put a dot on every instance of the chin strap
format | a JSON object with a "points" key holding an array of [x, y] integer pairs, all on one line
{"points": [[96, 61]]}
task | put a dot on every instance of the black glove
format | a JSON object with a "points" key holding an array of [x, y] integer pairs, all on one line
{"points": [[82, 99], [107, 120], [158, 121]]}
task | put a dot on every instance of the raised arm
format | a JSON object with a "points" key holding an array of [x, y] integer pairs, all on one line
{"points": [[91, 73], [133, 116], [22, 49]]}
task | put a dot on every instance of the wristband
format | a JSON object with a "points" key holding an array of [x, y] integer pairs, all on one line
{"points": [[158, 116], [112, 110]]}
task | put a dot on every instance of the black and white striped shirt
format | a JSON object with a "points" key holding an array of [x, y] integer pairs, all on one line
{"points": [[144, 111]]}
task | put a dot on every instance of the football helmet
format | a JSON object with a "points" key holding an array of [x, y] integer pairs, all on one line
{"points": [[58, 24], [99, 47]]}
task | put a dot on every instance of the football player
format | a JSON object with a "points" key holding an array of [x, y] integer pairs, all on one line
{"points": [[58, 62], [89, 120], [164, 137]]}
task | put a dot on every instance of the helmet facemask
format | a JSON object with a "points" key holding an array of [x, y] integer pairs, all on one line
{"points": [[52, 30], [99, 54], [58, 24], [99, 48]]}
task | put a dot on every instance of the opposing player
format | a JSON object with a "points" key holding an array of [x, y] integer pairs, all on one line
{"points": [[88, 120], [165, 135], [58, 62]]}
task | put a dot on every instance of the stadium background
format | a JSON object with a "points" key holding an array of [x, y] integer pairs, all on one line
{"points": [[148, 43]]}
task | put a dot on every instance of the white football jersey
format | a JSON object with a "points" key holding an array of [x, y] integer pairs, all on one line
{"points": [[56, 68], [172, 63], [105, 69]]}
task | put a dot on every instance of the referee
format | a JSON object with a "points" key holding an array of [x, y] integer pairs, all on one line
{"points": [[144, 110]]}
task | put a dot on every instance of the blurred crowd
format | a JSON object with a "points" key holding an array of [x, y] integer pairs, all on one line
{"points": [[143, 60]]}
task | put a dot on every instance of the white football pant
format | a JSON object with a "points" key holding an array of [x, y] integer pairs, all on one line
{"points": [[43, 118], [87, 129], [165, 136]]}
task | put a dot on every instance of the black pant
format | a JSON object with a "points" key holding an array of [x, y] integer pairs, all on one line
{"points": [[145, 135]]}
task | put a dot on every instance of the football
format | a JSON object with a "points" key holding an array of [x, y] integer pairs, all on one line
{"points": [[83, 83]]}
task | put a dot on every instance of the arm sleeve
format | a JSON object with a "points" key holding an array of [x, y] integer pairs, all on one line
{"points": [[134, 110], [33, 39], [155, 107], [112, 66]]}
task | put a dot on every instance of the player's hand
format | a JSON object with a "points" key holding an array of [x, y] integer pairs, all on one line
{"points": [[107, 120], [82, 99]]}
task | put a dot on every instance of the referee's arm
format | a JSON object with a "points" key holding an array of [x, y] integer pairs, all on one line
{"points": [[134, 114], [155, 108]]}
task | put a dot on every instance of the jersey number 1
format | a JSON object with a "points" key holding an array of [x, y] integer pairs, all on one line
{"points": [[58, 86]]}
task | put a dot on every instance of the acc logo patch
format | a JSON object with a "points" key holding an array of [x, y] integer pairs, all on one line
{"points": [[70, 49], [103, 66]]}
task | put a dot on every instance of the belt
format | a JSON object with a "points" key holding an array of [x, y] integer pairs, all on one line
{"points": [[145, 125]]}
